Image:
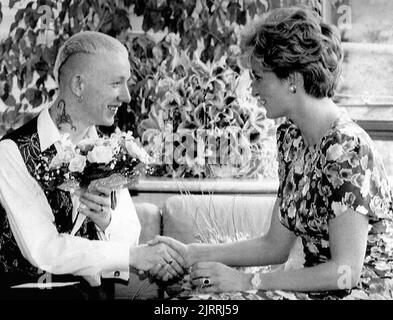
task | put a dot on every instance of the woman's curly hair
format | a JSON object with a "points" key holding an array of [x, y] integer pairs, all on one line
{"points": [[290, 40]]}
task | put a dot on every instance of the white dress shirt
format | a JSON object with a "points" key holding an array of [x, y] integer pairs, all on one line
{"points": [[32, 221]]}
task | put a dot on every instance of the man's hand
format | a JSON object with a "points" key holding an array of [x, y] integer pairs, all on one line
{"points": [[165, 262], [96, 204], [183, 250]]}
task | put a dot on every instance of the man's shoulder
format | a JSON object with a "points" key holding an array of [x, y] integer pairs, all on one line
{"points": [[27, 129]]}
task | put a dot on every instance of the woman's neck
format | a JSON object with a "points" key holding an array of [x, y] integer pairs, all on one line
{"points": [[65, 116], [314, 118]]}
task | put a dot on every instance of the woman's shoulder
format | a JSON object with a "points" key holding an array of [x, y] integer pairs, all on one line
{"points": [[347, 134]]}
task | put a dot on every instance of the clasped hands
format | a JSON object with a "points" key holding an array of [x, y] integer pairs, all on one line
{"points": [[173, 259], [163, 257]]}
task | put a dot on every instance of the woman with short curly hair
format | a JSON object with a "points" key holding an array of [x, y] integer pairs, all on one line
{"points": [[333, 193]]}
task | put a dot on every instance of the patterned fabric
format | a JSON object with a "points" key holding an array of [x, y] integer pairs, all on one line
{"points": [[17, 268], [318, 183]]}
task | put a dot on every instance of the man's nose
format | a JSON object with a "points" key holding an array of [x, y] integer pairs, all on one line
{"points": [[125, 94]]}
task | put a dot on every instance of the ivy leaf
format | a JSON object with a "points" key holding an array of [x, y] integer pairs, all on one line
{"points": [[28, 74], [233, 9], [252, 9], [31, 18], [188, 23], [12, 3], [31, 35], [241, 18], [140, 6], [34, 97], [7, 45], [41, 67], [49, 56], [10, 101], [121, 21], [14, 25], [128, 3], [19, 34]]}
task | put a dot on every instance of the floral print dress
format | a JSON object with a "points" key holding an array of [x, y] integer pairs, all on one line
{"points": [[320, 182]]}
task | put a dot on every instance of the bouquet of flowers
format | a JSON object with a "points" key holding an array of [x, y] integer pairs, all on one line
{"points": [[110, 162]]}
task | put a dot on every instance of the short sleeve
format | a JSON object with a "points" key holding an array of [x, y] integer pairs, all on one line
{"points": [[353, 177], [280, 136], [287, 135]]}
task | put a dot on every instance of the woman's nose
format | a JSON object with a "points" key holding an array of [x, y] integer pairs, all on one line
{"points": [[254, 91]]}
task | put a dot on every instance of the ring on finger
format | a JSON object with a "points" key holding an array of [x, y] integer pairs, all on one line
{"points": [[205, 282]]}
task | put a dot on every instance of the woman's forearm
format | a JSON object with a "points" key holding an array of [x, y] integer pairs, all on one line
{"points": [[253, 252], [327, 276]]}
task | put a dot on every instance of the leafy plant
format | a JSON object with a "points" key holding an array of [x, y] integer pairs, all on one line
{"points": [[204, 122], [207, 30], [27, 55]]}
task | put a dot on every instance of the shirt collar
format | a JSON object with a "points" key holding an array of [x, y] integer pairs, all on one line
{"points": [[48, 133], [47, 130]]}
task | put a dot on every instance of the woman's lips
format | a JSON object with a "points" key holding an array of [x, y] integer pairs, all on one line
{"points": [[262, 101]]}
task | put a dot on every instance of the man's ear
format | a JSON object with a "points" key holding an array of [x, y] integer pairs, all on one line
{"points": [[296, 79], [77, 85]]}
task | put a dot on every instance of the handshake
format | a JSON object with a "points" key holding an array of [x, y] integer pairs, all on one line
{"points": [[163, 257], [166, 258]]}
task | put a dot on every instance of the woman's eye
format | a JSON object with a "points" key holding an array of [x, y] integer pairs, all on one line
{"points": [[255, 77]]}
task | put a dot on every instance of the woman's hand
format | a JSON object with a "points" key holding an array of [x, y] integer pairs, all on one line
{"points": [[96, 204], [218, 277]]}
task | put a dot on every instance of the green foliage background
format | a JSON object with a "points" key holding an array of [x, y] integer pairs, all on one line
{"points": [[28, 54]]}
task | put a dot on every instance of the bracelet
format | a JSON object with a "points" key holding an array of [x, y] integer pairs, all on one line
{"points": [[256, 281]]}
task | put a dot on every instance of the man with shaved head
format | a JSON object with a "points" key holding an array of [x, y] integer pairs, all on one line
{"points": [[40, 229]]}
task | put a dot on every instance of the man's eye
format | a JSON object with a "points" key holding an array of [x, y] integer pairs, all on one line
{"points": [[118, 83]]}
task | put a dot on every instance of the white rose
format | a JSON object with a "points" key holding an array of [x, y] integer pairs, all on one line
{"points": [[86, 145], [134, 150], [77, 164], [100, 154], [56, 162], [63, 156]]}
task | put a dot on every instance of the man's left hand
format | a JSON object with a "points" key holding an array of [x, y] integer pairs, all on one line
{"points": [[96, 204]]}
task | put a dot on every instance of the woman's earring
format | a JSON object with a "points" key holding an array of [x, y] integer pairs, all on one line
{"points": [[79, 99], [292, 89]]}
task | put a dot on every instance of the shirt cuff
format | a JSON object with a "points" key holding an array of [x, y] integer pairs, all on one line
{"points": [[116, 260]]}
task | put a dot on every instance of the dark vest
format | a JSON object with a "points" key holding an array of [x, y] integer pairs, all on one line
{"points": [[14, 268]]}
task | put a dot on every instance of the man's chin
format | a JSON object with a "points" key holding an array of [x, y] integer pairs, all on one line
{"points": [[108, 122]]}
